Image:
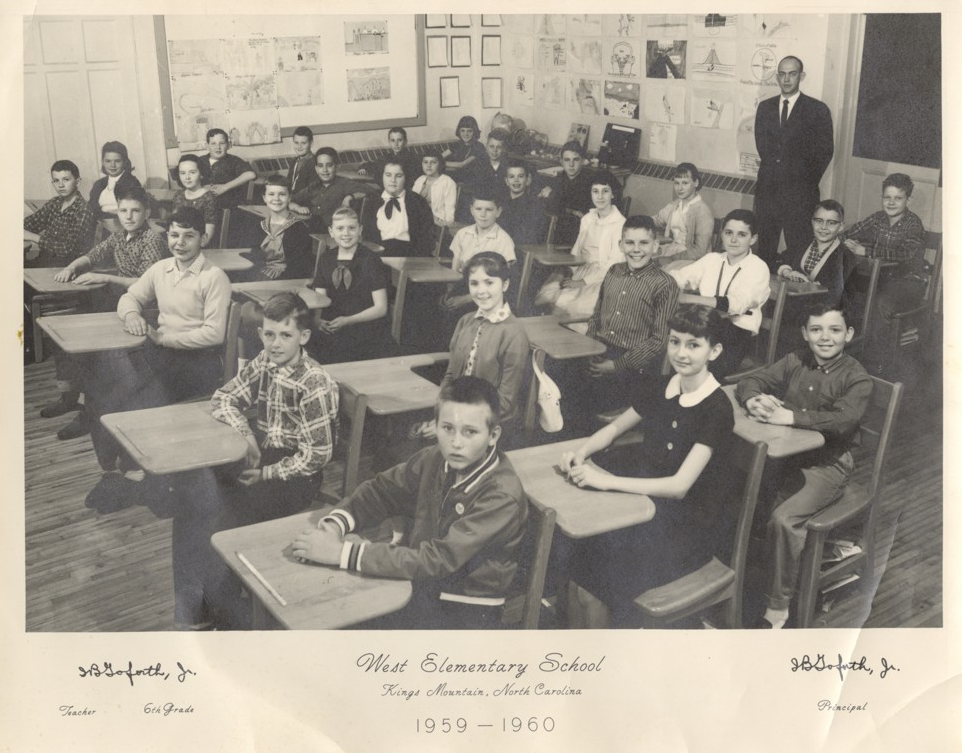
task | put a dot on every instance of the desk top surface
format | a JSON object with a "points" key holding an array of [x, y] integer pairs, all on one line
{"points": [[559, 343], [390, 385], [228, 259], [551, 256], [797, 289], [421, 269], [41, 280], [261, 291], [175, 438], [783, 441], [89, 333], [258, 210], [581, 512], [318, 597]]}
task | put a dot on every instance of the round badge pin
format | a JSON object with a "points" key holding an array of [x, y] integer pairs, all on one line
{"points": [[459, 508]]}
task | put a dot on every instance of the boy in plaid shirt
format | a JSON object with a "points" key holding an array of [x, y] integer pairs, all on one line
{"points": [[296, 418]]}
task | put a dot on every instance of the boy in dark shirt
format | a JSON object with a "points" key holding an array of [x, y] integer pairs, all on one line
{"points": [[523, 216], [825, 390], [569, 195]]}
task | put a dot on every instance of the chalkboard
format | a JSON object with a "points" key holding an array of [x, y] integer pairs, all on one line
{"points": [[899, 117], [259, 77]]}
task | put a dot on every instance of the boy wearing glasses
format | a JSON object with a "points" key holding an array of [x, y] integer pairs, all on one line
{"points": [[822, 260]]}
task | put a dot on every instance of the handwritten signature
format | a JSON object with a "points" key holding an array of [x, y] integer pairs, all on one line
{"points": [[819, 664], [153, 670]]}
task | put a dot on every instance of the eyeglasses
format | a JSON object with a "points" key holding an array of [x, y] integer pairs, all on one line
{"points": [[821, 222]]}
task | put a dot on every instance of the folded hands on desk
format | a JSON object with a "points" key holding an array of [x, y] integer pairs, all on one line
{"points": [[768, 409]]}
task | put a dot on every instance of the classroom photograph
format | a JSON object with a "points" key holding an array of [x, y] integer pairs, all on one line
{"points": [[482, 322]]}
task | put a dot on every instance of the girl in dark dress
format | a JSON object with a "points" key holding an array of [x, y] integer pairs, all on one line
{"points": [[355, 326], [682, 465]]}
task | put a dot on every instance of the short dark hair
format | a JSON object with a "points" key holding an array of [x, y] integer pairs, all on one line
{"points": [[638, 222], [468, 121], [116, 147], [278, 180], [901, 181], [699, 321], [397, 129], [282, 306], [499, 134], [393, 160], [516, 162], [330, 151], [605, 178], [133, 193], [741, 215], [491, 261], [217, 132], [202, 167], [191, 217], [689, 169], [823, 306], [490, 192], [573, 146], [830, 205], [442, 163], [303, 131], [65, 165], [470, 390]]}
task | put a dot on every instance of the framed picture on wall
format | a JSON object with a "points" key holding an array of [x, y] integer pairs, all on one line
{"points": [[435, 21], [491, 49], [450, 91], [491, 20], [491, 90], [460, 52], [437, 52], [460, 20]]}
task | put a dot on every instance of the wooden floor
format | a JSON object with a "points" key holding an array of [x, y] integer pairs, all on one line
{"points": [[90, 572]]}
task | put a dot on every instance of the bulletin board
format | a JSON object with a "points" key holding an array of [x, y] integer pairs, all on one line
{"points": [[691, 82], [259, 77]]}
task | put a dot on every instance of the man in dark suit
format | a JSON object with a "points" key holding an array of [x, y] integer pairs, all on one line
{"points": [[400, 220], [793, 136]]}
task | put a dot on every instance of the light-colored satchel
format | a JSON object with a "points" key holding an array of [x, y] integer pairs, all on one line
{"points": [[549, 400]]}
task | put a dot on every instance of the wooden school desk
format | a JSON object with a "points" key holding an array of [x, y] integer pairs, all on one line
{"points": [[318, 597], [260, 291], [260, 211], [546, 256], [581, 512], [796, 289], [548, 338], [389, 384], [351, 172], [42, 282], [407, 270], [783, 441], [89, 333], [176, 438]]}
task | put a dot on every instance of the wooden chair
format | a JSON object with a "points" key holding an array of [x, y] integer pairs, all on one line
{"points": [[773, 325], [524, 609], [859, 501], [715, 582], [862, 303], [449, 228], [624, 206], [907, 328], [352, 407], [552, 228], [232, 347]]}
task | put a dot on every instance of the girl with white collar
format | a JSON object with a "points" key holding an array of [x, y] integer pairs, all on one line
{"points": [[682, 464]]}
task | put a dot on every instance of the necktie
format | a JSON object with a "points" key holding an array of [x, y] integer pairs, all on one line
{"points": [[784, 112], [811, 260], [473, 354], [342, 277], [391, 206]]}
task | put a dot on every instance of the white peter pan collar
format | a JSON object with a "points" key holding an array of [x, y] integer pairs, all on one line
{"points": [[690, 399]]}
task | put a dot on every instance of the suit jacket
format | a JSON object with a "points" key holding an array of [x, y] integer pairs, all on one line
{"points": [[794, 158], [421, 226]]}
